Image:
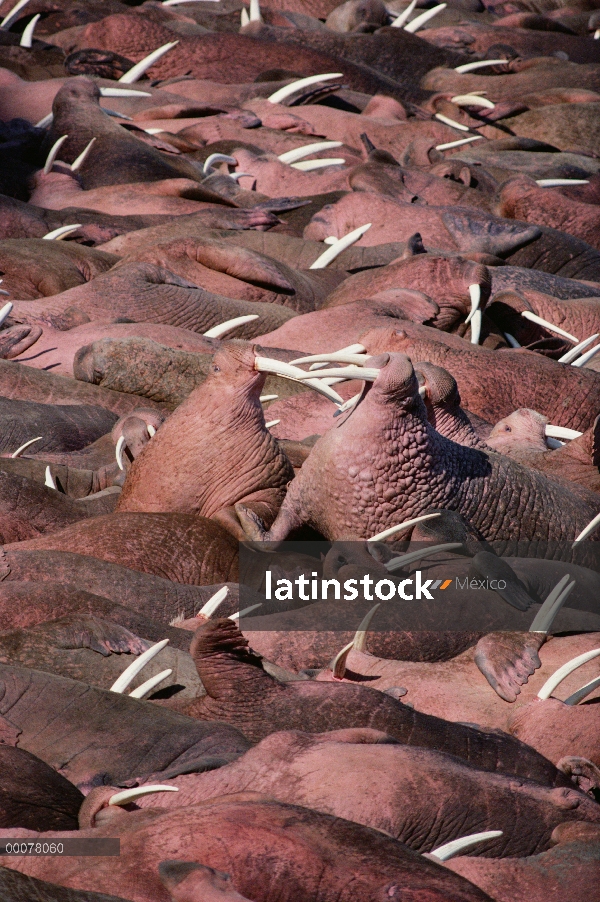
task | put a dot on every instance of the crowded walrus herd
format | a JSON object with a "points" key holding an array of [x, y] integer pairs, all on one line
{"points": [[300, 451]]}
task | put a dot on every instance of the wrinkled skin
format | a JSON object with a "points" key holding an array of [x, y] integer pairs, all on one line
{"points": [[17, 887], [201, 434], [558, 730], [235, 683], [32, 268], [350, 487], [354, 862], [93, 651], [184, 548], [390, 787], [62, 427], [33, 795], [87, 734]]}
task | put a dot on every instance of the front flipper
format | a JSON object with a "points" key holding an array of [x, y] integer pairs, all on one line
{"points": [[582, 771], [507, 660], [492, 567], [251, 523], [102, 636]]}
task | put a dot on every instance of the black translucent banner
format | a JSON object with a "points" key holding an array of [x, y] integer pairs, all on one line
{"points": [[449, 586], [59, 847]]}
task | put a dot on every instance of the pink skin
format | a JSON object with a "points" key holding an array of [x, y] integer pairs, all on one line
{"points": [[458, 691], [57, 349], [577, 316], [524, 77], [522, 199], [276, 179], [523, 430], [557, 730]]}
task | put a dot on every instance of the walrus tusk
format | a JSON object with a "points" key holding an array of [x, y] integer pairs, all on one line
{"points": [[476, 327], [576, 351], [397, 563], [286, 91], [563, 672], [27, 36], [400, 527], [473, 100], [588, 529], [366, 373], [415, 24], [546, 615], [43, 123], [62, 232], [450, 849], [229, 324], [458, 143], [475, 294], [279, 368], [25, 445], [556, 183], [147, 687], [272, 423], [129, 795], [119, 452], [129, 674], [583, 692], [511, 340], [321, 360], [6, 310], [151, 430], [399, 22], [587, 356], [470, 67], [78, 163], [140, 68], [49, 481], [534, 318], [53, 154], [340, 245], [217, 158], [359, 643], [309, 165], [245, 612], [562, 432], [338, 665], [447, 121], [264, 398], [292, 156], [123, 92], [255, 15], [209, 608], [6, 21], [244, 18]]}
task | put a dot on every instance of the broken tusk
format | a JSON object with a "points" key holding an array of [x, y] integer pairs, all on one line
{"points": [[119, 452], [49, 481], [6, 310], [78, 163], [208, 609], [563, 672], [129, 795], [400, 527], [562, 432], [279, 368], [451, 122], [402, 18], [286, 91], [217, 158], [473, 100], [151, 430], [147, 687], [229, 324], [576, 351], [546, 615], [450, 849], [53, 154], [557, 183], [22, 448], [511, 340], [309, 165], [7, 20], [27, 36], [62, 232], [140, 68], [534, 318], [586, 357], [136, 666], [583, 692], [470, 67], [292, 156], [359, 643], [588, 529], [341, 244], [421, 20], [245, 612], [397, 563], [450, 144]]}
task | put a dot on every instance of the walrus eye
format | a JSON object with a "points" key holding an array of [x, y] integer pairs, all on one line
{"points": [[507, 429], [216, 369]]}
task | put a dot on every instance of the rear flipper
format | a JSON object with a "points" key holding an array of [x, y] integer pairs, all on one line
{"points": [[507, 660]]}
